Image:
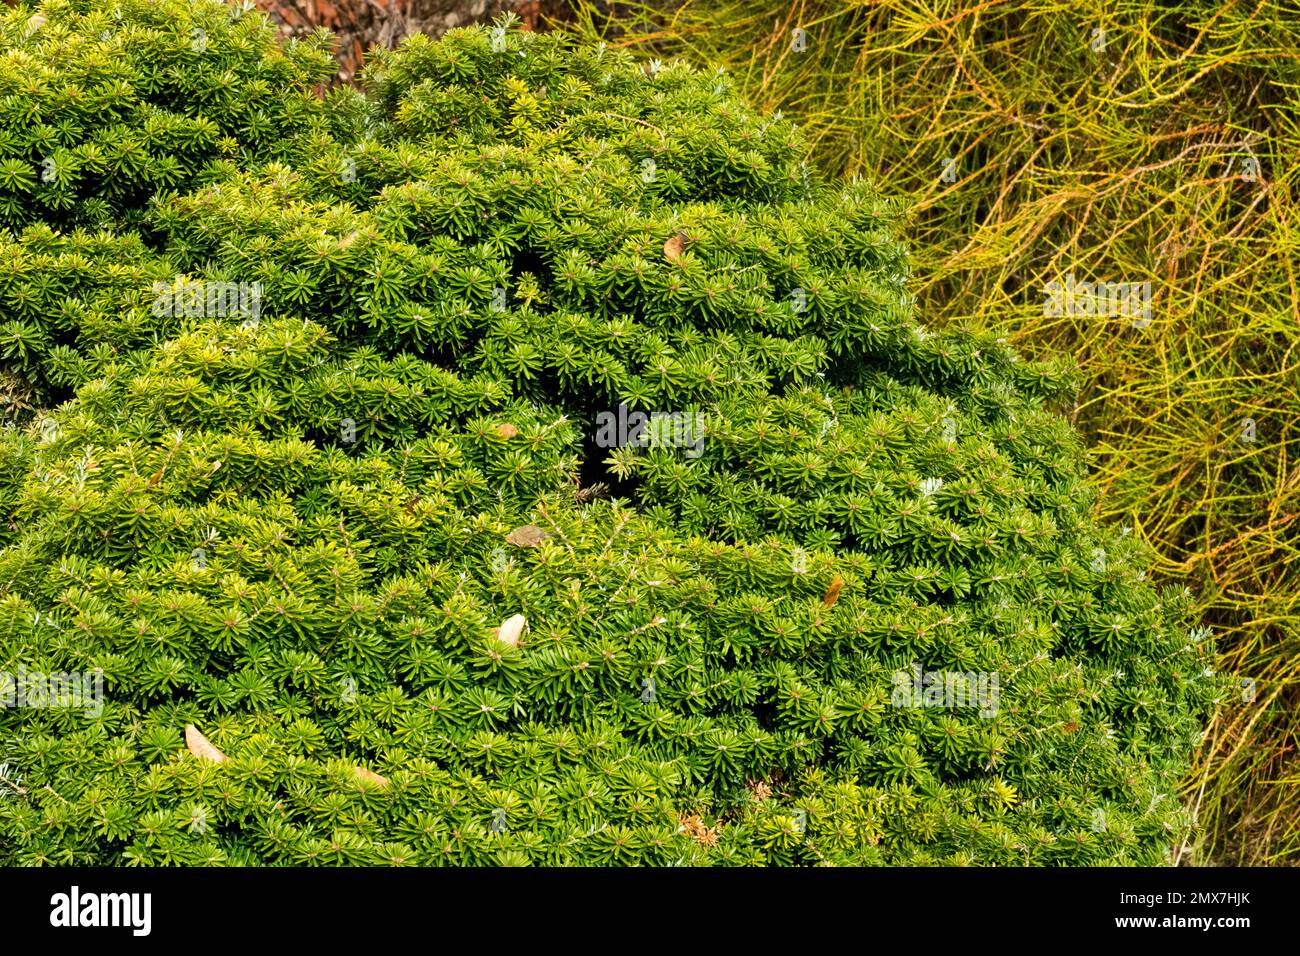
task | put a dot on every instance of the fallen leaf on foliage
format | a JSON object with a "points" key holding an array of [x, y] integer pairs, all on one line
{"points": [[201, 747], [526, 536], [506, 430], [511, 629], [369, 776], [833, 592], [674, 248]]}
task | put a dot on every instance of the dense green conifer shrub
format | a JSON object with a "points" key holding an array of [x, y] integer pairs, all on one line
{"points": [[297, 528]]}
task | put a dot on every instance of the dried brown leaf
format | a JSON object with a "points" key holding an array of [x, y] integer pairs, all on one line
{"points": [[674, 247], [833, 592], [526, 536], [511, 630], [369, 776], [201, 747]]}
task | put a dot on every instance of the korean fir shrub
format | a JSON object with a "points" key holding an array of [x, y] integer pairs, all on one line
{"points": [[357, 596]]}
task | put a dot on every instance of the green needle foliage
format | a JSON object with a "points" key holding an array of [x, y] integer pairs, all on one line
{"points": [[1130, 141], [311, 527]]}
